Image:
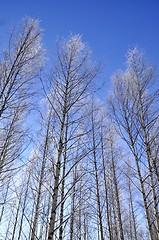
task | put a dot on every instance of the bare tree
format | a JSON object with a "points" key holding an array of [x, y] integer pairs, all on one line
{"points": [[134, 110], [71, 79], [95, 143], [43, 159], [20, 64]]}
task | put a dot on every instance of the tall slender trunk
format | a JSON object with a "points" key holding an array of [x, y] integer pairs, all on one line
{"points": [[24, 206], [130, 233], [63, 184], [114, 224], [80, 213], [31, 219], [143, 194], [85, 226], [57, 171], [117, 194], [47, 214], [106, 191], [153, 187], [73, 205], [150, 162], [16, 217], [36, 215], [4, 201], [132, 146], [132, 211], [97, 181]]}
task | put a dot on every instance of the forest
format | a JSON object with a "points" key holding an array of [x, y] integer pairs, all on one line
{"points": [[73, 166]]}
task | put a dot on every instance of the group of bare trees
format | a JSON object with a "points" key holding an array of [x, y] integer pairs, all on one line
{"points": [[85, 170]]}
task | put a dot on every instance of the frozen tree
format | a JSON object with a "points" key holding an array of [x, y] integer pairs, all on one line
{"points": [[134, 109], [18, 66], [69, 94]]}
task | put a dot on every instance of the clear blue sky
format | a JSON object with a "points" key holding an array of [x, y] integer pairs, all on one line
{"points": [[109, 26]]}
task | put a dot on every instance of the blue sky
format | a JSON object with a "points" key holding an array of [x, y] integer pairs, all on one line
{"points": [[109, 26]]}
